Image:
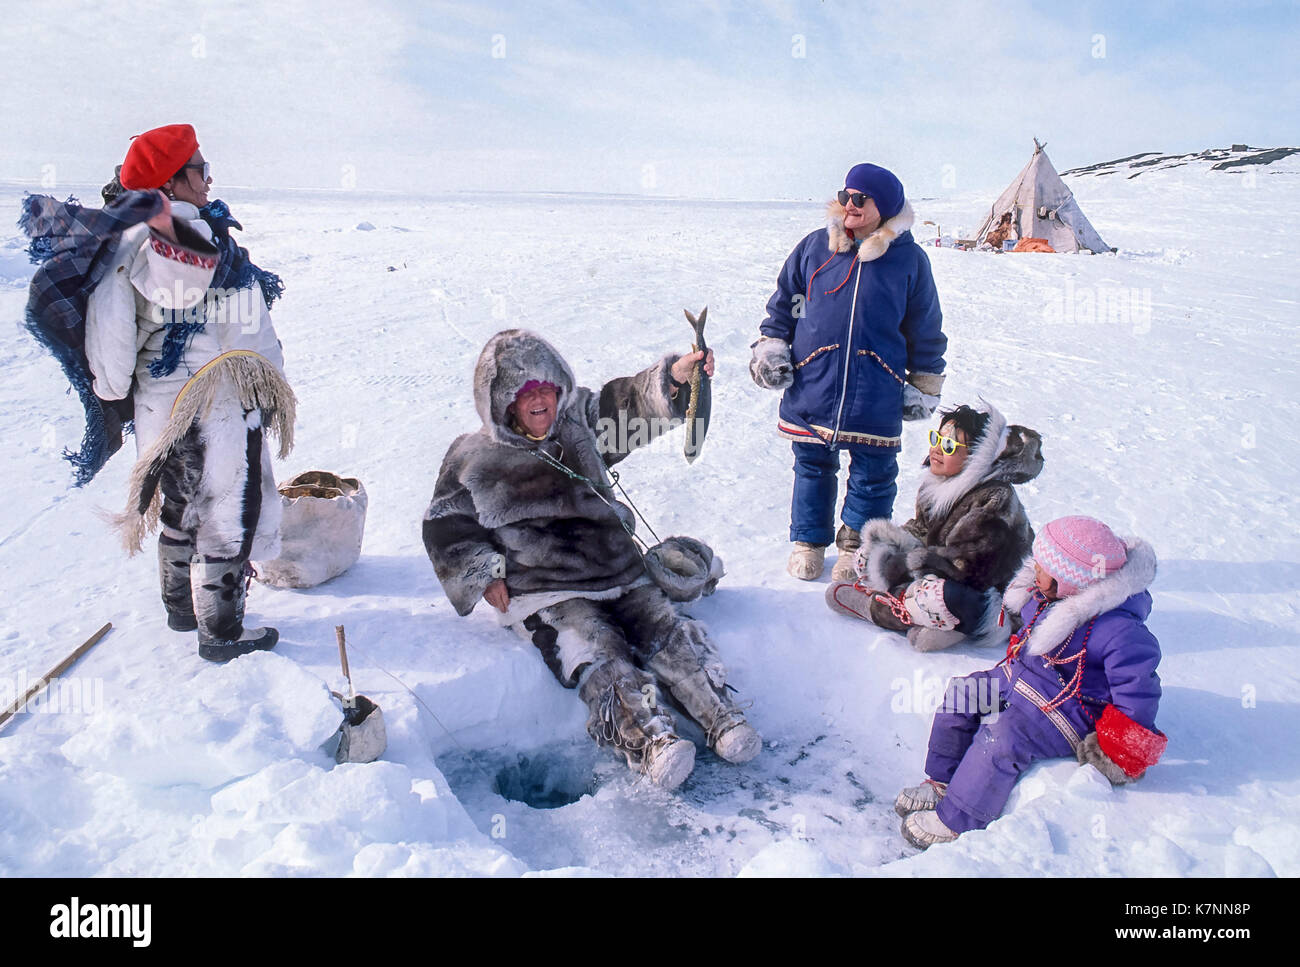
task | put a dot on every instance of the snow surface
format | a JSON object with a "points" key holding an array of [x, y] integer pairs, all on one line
{"points": [[1179, 427]]}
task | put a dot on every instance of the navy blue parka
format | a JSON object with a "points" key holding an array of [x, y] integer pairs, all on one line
{"points": [[862, 317]]}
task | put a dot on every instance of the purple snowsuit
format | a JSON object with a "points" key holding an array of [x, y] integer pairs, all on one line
{"points": [[981, 761]]}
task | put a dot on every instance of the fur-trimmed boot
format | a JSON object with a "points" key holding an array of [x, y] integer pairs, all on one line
{"points": [[678, 666], [218, 587], [847, 542], [807, 561], [624, 712], [174, 554]]}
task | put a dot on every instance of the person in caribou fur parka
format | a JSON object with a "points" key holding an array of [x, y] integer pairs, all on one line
{"points": [[951, 562], [523, 516]]}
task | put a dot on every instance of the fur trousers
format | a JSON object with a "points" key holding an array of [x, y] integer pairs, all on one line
{"points": [[634, 627], [218, 487]]}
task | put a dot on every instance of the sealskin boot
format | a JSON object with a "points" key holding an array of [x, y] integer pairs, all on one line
{"points": [[857, 600], [678, 666], [218, 588], [624, 712], [847, 542], [174, 556], [806, 561]]}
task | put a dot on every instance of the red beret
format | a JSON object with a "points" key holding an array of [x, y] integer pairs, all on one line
{"points": [[157, 155]]}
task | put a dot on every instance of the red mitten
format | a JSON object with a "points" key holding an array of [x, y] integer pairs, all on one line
{"points": [[1130, 746]]}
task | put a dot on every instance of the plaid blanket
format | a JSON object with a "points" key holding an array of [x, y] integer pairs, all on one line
{"points": [[73, 246]]}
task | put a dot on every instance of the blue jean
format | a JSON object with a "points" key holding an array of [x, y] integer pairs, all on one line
{"points": [[873, 472]]}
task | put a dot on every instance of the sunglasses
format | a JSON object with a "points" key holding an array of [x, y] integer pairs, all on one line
{"points": [[857, 197], [946, 444], [206, 168]]}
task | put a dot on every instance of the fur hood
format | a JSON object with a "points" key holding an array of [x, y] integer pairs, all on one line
{"points": [[1064, 616], [874, 245], [509, 360], [1008, 453]]}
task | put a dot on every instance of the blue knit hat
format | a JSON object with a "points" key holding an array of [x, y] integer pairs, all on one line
{"points": [[881, 184]]}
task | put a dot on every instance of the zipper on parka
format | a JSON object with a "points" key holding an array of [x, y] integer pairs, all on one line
{"points": [[848, 352]]}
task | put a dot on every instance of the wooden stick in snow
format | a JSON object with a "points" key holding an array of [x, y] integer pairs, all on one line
{"points": [[55, 672], [343, 660]]}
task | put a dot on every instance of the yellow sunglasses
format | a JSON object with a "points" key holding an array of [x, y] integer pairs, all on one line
{"points": [[946, 444]]}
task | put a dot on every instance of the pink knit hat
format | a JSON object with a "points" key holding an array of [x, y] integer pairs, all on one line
{"points": [[1078, 552]]}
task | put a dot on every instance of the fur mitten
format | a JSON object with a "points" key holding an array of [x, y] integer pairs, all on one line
{"points": [[1090, 753], [1129, 748], [684, 568], [927, 560], [771, 365], [882, 558], [917, 405]]}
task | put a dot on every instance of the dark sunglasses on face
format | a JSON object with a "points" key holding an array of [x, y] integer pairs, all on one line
{"points": [[857, 197], [206, 168]]}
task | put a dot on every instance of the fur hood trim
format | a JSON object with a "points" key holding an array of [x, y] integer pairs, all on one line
{"points": [[509, 360], [874, 245], [1064, 616], [1011, 453]]}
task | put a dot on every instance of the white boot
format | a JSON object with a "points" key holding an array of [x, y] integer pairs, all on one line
{"points": [[925, 828], [625, 713], [933, 639], [739, 743], [806, 561], [914, 799], [847, 542], [669, 760], [678, 666]]}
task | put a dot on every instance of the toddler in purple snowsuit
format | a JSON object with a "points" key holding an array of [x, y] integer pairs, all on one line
{"points": [[1079, 680]]}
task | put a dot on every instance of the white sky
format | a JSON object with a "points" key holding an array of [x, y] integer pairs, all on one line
{"points": [[753, 100]]}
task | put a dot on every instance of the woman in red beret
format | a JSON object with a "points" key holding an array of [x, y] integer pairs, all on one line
{"points": [[180, 321]]}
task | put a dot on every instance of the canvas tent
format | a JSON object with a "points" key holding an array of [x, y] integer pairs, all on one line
{"points": [[1041, 206]]}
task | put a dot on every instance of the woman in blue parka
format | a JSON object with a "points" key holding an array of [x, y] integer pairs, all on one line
{"points": [[854, 337]]}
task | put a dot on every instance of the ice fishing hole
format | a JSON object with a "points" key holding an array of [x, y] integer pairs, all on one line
{"points": [[545, 779]]}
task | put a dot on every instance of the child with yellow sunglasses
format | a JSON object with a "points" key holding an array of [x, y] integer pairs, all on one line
{"points": [[940, 576]]}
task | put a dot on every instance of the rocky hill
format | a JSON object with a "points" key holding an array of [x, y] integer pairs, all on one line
{"points": [[1217, 158]]}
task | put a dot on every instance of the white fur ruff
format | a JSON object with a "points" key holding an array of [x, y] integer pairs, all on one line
{"points": [[937, 495], [1067, 614], [874, 245]]}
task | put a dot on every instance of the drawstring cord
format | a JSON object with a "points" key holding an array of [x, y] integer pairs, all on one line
{"points": [[896, 605], [808, 294], [852, 262]]}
